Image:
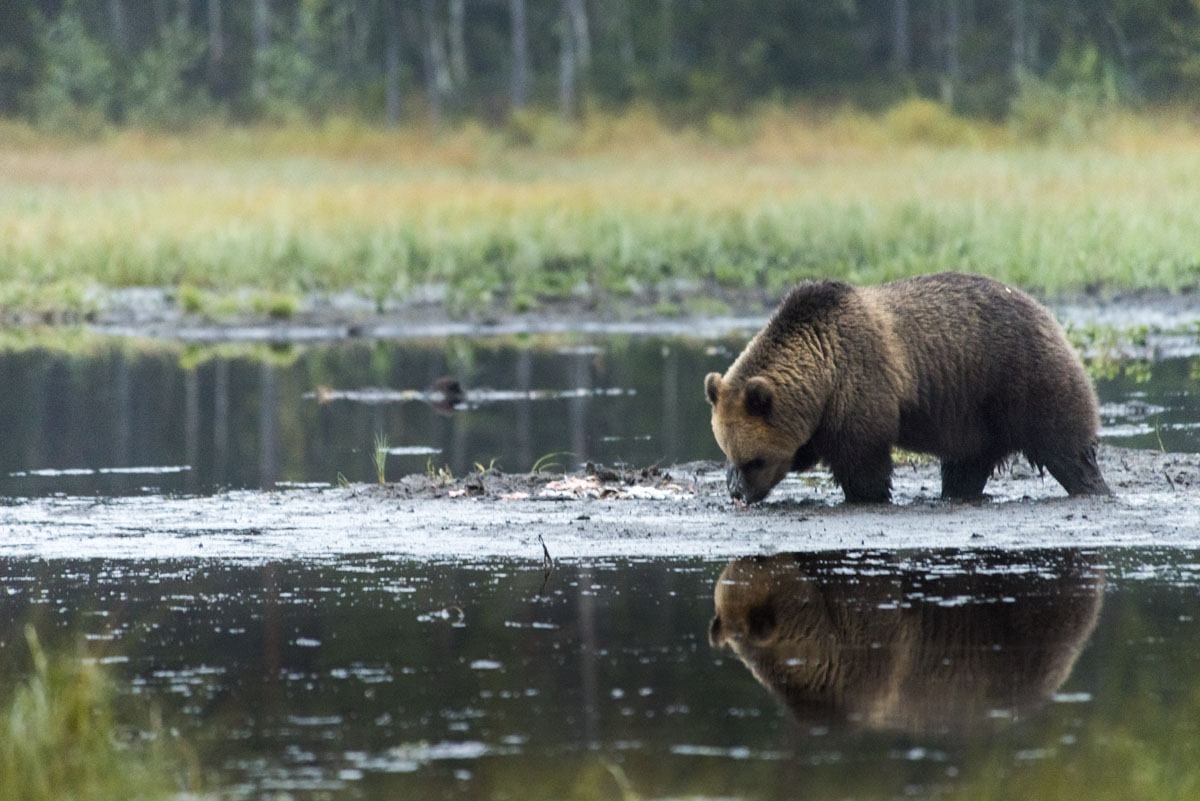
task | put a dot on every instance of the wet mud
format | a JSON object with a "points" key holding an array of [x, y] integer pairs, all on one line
{"points": [[155, 312], [677, 512]]}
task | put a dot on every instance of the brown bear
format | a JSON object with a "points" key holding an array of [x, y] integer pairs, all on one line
{"points": [[885, 645], [958, 366]]}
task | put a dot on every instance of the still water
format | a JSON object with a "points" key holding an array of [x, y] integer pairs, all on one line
{"points": [[117, 417], [847, 675]]}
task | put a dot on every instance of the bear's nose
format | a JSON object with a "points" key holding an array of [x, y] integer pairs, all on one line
{"points": [[733, 480]]}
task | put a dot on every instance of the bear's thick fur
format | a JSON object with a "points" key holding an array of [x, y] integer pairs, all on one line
{"points": [[883, 649], [958, 366]]}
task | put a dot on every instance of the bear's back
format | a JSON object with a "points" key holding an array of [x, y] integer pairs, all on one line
{"points": [[991, 368]]}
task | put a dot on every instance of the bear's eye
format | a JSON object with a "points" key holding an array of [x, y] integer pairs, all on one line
{"points": [[752, 465]]}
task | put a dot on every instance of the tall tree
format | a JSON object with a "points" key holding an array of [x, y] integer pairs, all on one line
{"points": [[666, 35], [438, 84], [22, 56], [622, 27], [567, 63], [901, 55], [458, 43], [391, 62], [520, 53], [118, 28], [575, 54], [952, 42], [580, 37], [262, 43], [216, 43]]}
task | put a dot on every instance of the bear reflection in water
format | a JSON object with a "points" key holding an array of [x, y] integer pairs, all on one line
{"points": [[913, 645]]}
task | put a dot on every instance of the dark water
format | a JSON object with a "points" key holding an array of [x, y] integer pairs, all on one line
{"points": [[1035, 675], [123, 419]]}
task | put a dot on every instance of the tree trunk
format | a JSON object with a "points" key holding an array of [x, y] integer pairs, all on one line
{"points": [[1019, 25], [120, 32], [581, 38], [216, 43], [437, 70], [566, 65], [458, 42], [262, 42], [162, 16], [666, 32], [950, 80], [520, 55], [901, 46], [623, 28], [391, 62]]}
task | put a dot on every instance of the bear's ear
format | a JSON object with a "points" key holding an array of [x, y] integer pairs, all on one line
{"points": [[760, 397], [712, 387], [716, 637]]}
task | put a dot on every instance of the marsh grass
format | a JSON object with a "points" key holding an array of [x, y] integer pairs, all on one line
{"points": [[60, 739], [548, 462], [380, 458], [618, 208], [438, 475]]}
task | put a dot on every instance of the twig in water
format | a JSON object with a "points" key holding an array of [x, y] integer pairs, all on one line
{"points": [[1167, 476], [547, 565], [1158, 434]]}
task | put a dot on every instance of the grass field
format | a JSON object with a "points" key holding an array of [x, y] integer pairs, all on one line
{"points": [[618, 208]]}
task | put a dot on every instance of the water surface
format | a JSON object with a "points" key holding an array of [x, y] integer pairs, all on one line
{"points": [[121, 418], [948, 674]]}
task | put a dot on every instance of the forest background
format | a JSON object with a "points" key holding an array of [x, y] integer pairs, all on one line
{"points": [[246, 155]]}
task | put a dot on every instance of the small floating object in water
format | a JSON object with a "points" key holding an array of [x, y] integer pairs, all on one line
{"points": [[446, 394]]}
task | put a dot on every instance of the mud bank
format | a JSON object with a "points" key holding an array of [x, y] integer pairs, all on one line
{"points": [[156, 313], [681, 512]]}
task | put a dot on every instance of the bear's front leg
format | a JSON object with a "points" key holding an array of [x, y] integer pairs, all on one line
{"points": [[865, 475], [805, 458]]}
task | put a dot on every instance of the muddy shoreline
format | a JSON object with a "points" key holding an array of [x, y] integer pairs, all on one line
{"points": [[155, 312], [673, 513]]}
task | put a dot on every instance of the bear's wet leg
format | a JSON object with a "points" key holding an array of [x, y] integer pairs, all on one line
{"points": [[1079, 473], [868, 478], [965, 480]]}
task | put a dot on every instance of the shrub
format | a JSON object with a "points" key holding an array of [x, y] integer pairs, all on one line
{"points": [[924, 121], [60, 739], [1070, 105]]}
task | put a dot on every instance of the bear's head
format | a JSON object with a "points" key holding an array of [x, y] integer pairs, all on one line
{"points": [[763, 428]]}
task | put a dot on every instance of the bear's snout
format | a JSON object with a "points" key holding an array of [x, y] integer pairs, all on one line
{"points": [[733, 480], [740, 489]]}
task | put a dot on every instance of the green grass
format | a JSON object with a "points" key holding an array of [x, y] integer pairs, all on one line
{"points": [[622, 206], [60, 740], [379, 456]]}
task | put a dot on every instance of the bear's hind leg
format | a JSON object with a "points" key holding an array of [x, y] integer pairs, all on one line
{"points": [[1079, 473], [866, 479], [965, 480]]}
